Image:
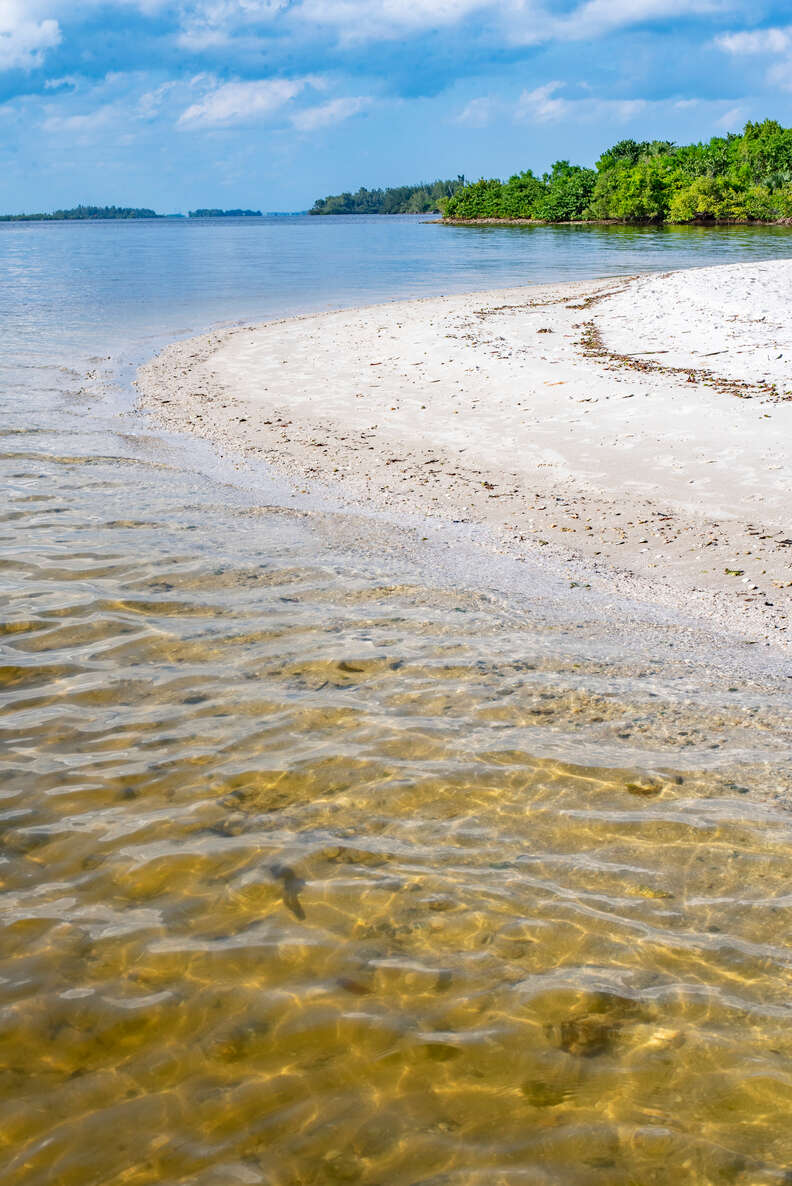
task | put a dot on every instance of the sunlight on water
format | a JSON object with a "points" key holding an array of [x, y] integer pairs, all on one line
{"points": [[318, 867], [293, 894]]}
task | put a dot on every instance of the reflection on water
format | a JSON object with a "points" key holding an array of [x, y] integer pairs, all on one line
{"points": [[316, 868], [294, 894]]}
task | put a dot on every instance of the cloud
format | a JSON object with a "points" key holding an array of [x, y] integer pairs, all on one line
{"points": [[364, 20], [56, 84], [780, 75], [544, 105], [541, 105], [150, 103], [82, 126], [600, 16], [243, 102], [772, 42], [515, 22], [334, 112], [757, 41], [731, 120], [213, 23], [478, 113], [24, 40]]}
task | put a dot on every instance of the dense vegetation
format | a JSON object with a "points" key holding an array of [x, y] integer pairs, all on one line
{"points": [[82, 212], [226, 214], [731, 178], [426, 198]]}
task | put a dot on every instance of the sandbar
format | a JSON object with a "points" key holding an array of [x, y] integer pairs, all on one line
{"points": [[637, 429]]}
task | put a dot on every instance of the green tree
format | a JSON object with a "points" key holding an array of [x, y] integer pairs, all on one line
{"points": [[567, 194], [733, 178], [520, 194], [479, 199], [707, 199], [400, 199], [637, 193]]}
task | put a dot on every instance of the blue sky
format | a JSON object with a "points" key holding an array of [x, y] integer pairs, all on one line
{"points": [[272, 103]]}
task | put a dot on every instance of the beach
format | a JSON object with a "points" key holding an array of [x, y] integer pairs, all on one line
{"points": [[638, 429], [396, 551], [344, 842]]}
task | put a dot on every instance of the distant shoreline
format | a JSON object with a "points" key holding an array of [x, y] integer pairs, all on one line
{"points": [[613, 222], [129, 214], [90, 214]]}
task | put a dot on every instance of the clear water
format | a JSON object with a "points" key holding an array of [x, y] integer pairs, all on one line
{"points": [[320, 863], [102, 282]]}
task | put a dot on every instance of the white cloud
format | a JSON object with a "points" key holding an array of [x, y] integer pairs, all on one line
{"points": [[240, 102], [541, 105], [600, 16], [197, 40], [364, 20], [731, 120], [28, 28], [150, 103], [55, 84], [213, 23], [82, 126], [757, 41], [624, 110], [478, 113], [516, 21], [526, 23], [24, 40], [780, 75], [545, 105], [773, 43], [334, 112], [220, 13]]}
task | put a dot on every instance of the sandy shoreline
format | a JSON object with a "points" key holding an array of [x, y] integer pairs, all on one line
{"points": [[638, 429]]}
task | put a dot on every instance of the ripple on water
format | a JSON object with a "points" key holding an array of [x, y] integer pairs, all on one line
{"points": [[312, 876]]}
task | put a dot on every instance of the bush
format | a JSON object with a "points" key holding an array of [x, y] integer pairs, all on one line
{"points": [[641, 193], [567, 193], [480, 199], [708, 198], [520, 195], [729, 178]]}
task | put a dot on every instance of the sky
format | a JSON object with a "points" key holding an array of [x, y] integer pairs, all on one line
{"points": [[269, 104]]}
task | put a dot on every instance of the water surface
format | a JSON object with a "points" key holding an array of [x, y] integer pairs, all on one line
{"points": [[329, 859]]}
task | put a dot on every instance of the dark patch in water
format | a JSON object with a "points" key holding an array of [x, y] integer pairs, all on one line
{"points": [[292, 887]]}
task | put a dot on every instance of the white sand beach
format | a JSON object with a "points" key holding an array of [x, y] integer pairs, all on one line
{"points": [[637, 429]]}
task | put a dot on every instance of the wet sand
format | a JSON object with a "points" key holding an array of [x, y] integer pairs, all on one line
{"points": [[638, 430]]}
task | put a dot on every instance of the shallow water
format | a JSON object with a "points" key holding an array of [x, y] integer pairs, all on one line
{"points": [[322, 862]]}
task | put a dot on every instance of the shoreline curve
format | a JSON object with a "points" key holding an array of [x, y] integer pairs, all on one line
{"points": [[636, 428]]}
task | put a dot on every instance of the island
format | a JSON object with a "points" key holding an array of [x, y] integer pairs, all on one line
{"points": [[85, 213], [744, 178], [104, 213], [225, 214], [428, 197]]}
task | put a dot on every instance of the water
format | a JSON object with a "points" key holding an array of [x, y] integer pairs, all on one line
{"points": [[332, 857]]}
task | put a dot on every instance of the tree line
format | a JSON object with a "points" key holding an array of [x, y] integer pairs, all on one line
{"points": [[213, 213], [83, 212], [424, 198], [732, 178]]}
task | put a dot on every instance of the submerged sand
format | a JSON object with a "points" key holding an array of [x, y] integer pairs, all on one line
{"points": [[638, 429]]}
